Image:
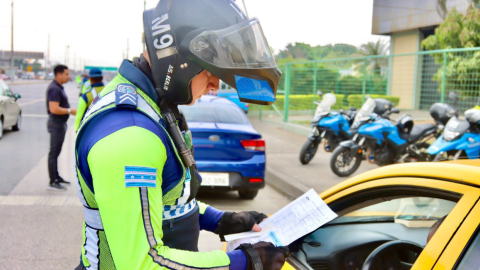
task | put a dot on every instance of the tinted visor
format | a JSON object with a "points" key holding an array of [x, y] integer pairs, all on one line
{"points": [[239, 46]]}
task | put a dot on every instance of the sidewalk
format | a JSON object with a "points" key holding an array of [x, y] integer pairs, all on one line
{"points": [[285, 173]]}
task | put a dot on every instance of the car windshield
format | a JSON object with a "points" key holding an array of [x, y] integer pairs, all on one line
{"points": [[211, 112], [412, 211]]}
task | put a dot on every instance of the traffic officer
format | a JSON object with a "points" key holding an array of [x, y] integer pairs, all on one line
{"points": [[95, 77], [86, 85], [137, 177]]}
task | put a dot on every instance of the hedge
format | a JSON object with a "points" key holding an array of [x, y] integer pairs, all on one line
{"points": [[305, 102], [356, 100]]}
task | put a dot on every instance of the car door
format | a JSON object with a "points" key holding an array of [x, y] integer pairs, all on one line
{"points": [[463, 251], [3, 102], [411, 186], [11, 108]]}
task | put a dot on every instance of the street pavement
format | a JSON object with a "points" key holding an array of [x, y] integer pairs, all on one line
{"points": [[40, 228]]}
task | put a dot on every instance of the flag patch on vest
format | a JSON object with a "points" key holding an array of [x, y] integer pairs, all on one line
{"points": [[126, 95], [140, 177]]}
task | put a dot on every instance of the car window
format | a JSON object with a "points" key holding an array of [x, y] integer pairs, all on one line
{"points": [[471, 260], [214, 113], [8, 93], [410, 211], [6, 90]]}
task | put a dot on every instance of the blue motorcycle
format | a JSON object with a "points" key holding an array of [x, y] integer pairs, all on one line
{"points": [[381, 140], [333, 127], [460, 139]]}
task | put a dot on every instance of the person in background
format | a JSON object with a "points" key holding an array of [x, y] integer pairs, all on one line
{"points": [[96, 80], [86, 85], [58, 110]]}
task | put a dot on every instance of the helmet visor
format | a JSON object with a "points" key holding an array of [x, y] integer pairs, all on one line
{"points": [[239, 46]]}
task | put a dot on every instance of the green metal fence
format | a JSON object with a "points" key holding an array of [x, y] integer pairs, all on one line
{"points": [[413, 82]]}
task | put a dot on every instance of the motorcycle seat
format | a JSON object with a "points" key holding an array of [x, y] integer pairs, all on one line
{"points": [[418, 132]]}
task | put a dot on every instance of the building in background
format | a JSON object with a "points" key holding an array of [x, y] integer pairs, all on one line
{"points": [[408, 22]]}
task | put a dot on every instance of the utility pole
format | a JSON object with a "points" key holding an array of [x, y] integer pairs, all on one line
{"points": [[67, 48], [143, 35], [128, 41], [48, 56], [11, 55]]}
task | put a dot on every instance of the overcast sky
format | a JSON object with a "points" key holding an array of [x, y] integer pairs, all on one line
{"points": [[97, 30]]}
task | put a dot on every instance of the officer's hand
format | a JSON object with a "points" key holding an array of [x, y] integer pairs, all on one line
{"points": [[232, 222], [266, 256], [73, 111]]}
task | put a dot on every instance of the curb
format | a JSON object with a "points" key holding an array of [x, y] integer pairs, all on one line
{"points": [[26, 82], [284, 184]]}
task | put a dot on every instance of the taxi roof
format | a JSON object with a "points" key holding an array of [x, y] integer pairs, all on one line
{"points": [[464, 171]]}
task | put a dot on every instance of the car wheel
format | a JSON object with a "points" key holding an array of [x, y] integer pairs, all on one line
{"points": [[1, 128], [248, 194], [18, 125]]}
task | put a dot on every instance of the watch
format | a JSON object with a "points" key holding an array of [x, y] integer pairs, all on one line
{"points": [[69, 110]]}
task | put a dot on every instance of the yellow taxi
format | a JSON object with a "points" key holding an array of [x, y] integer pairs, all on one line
{"points": [[385, 217]]}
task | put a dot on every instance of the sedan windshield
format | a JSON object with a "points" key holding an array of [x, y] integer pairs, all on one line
{"points": [[212, 112], [409, 211]]}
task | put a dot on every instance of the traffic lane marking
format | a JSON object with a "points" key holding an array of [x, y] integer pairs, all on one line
{"points": [[31, 102]]}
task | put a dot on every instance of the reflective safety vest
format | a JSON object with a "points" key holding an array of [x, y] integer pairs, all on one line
{"points": [[87, 85], [120, 93], [84, 102]]}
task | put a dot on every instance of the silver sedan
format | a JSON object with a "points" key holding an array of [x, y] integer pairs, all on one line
{"points": [[10, 111]]}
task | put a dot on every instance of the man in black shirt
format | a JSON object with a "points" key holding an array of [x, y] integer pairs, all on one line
{"points": [[58, 110]]}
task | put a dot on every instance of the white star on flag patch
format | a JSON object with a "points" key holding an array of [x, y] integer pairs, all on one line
{"points": [[140, 177]]}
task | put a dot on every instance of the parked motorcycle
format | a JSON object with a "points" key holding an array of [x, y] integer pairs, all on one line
{"points": [[383, 141], [332, 126], [460, 139]]}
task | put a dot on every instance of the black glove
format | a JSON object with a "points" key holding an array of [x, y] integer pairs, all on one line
{"points": [[232, 222], [264, 256]]}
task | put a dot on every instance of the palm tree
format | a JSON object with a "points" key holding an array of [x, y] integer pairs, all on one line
{"points": [[374, 48]]}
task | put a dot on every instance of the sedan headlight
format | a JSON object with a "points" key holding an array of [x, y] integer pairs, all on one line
{"points": [[450, 135]]}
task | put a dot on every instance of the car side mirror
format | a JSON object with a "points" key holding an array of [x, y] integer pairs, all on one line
{"points": [[395, 110], [17, 96]]}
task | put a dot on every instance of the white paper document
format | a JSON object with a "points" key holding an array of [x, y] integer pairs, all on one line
{"points": [[295, 220]]}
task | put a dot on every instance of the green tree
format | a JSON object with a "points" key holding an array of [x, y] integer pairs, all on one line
{"points": [[442, 7], [462, 72], [373, 48], [305, 52]]}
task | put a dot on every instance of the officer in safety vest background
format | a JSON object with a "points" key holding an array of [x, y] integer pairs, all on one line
{"points": [[95, 77], [137, 177]]}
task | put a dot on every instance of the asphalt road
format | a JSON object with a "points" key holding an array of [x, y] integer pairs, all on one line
{"points": [[20, 151]]}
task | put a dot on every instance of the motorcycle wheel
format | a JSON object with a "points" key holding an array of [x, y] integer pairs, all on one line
{"points": [[308, 151], [342, 163]]}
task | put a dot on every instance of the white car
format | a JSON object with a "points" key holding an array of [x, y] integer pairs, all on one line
{"points": [[10, 111]]}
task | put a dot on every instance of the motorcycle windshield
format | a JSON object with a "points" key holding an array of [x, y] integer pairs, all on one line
{"points": [[454, 129], [327, 102], [365, 111]]}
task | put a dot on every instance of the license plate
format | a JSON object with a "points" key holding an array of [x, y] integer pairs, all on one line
{"points": [[215, 179]]}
